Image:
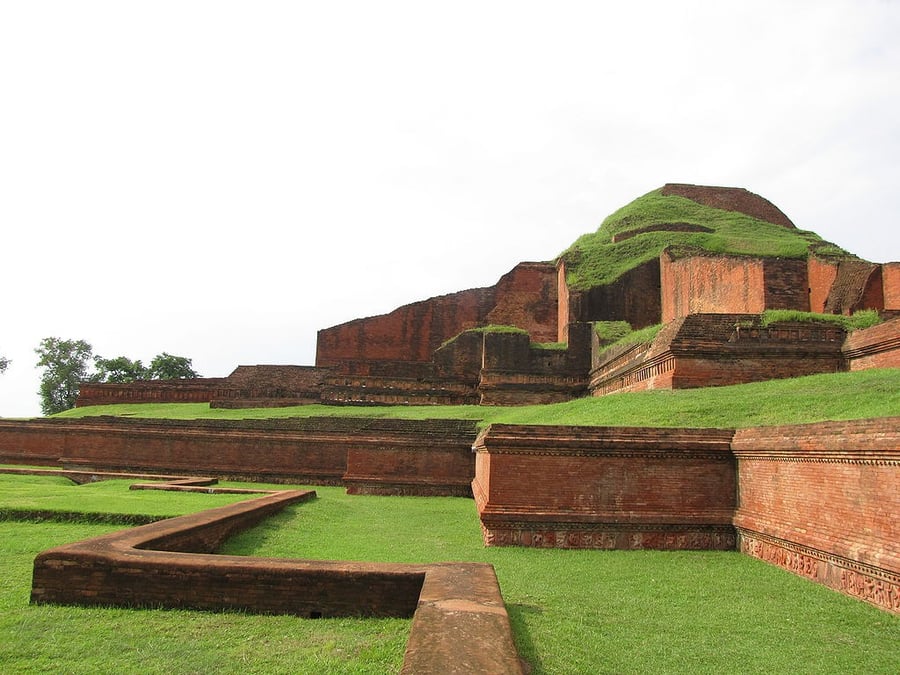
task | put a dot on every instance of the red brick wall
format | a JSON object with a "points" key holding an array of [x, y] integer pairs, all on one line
{"points": [[787, 284], [821, 274], [526, 297], [594, 487], [199, 390], [875, 347], [822, 501], [703, 350], [634, 297], [300, 451], [707, 284], [890, 273]]}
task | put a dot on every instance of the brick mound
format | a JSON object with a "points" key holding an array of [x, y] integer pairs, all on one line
{"points": [[730, 199], [460, 623]]}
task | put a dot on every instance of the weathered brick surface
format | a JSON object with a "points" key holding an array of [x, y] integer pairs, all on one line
{"points": [[890, 277], [307, 450], [730, 199], [199, 390], [634, 297], [264, 386], [875, 347], [711, 284], [821, 274], [822, 501], [438, 461], [526, 296], [703, 350], [461, 625], [605, 487]]}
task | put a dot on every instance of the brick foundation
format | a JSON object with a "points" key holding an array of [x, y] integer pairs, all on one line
{"points": [[821, 501], [299, 450], [605, 487], [459, 622]]}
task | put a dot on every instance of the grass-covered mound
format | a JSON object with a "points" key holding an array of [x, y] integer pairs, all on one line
{"points": [[596, 259]]}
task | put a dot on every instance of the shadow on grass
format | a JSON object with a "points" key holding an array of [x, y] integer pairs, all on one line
{"points": [[518, 617]]}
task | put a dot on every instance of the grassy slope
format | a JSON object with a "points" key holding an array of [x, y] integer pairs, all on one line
{"points": [[593, 260], [840, 396]]}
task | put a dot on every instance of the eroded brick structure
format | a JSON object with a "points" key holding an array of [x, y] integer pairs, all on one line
{"points": [[421, 354], [382, 456], [819, 500]]}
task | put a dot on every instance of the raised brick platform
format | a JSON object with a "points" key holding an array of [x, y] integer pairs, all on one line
{"points": [[605, 487]]}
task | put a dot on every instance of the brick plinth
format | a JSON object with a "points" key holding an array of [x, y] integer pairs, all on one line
{"points": [[605, 487], [394, 454], [822, 501]]}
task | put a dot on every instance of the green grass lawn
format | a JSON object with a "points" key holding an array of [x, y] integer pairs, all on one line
{"points": [[838, 396], [572, 611]]}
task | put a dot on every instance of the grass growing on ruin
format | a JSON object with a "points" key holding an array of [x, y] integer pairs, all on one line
{"points": [[595, 260], [572, 611], [839, 396]]}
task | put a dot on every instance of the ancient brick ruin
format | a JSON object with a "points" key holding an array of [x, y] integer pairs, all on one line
{"points": [[443, 351], [459, 621], [819, 500]]}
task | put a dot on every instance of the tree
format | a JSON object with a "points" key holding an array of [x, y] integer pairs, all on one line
{"points": [[65, 364], [119, 370], [168, 367], [4, 363]]}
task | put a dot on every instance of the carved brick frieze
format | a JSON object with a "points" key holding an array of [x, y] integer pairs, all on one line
{"points": [[875, 585], [610, 536]]}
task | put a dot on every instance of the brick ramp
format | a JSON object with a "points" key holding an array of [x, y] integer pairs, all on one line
{"points": [[459, 625]]}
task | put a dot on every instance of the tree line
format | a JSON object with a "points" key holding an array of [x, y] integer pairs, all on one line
{"points": [[67, 363]]}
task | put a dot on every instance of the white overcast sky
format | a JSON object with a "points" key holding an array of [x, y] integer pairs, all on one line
{"points": [[219, 180]]}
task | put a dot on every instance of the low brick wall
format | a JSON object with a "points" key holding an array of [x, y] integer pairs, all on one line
{"points": [[605, 487], [710, 350], [199, 390], [822, 500], [298, 450], [459, 623], [435, 460], [875, 347]]}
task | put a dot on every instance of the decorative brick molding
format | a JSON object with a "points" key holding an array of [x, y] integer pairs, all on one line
{"points": [[459, 623], [875, 585]]}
